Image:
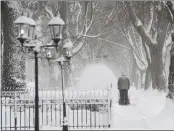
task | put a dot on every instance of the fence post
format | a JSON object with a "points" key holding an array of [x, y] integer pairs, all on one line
{"points": [[109, 106], [1, 108], [15, 111]]}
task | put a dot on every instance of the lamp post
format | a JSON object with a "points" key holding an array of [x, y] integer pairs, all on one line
{"points": [[26, 27], [25, 32], [61, 62], [65, 57], [56, 33], [27, 38], [68, 54]]}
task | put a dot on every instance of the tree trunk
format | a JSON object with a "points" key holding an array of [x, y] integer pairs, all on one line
{"points": [[148, 79], [13, 74], [143, 76], [157, 69], [171, 73], [171, 67], [139, 77], [134, 70]]}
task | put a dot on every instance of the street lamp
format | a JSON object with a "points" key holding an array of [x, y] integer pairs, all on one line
{"points": [[49, 50], [27, 38], [25, 28], [56, 28], [68, 45]]}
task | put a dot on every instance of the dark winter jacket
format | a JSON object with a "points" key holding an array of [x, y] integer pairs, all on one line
{"points": [[123, 83]]}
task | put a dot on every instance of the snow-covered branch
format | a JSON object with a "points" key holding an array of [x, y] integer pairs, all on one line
{"points": [[78, 16], [154, 33], [132, 43], [109, 16], [137, 46], [111, 42], [147, 53], [149, 26], [138, 25], [94, 4], [86, 27], [128, 38], [91, 21], [80, 43], [48, 12], [93, 36], [86, 17], [91, 17], [43, 7], [170, 10]]}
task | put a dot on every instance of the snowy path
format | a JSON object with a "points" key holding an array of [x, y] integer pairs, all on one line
{"points": [[148, 110]]}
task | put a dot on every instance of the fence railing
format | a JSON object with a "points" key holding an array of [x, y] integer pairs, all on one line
{"points": [[85, 109]]}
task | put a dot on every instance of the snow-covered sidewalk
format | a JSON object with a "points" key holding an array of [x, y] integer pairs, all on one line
{"points": [[148, 110]]}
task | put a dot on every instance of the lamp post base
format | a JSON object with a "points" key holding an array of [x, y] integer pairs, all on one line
{"points": [[65, 120], [65, 128]]}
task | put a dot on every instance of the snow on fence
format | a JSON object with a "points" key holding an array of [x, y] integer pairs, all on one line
{"points": [[85, 109]]}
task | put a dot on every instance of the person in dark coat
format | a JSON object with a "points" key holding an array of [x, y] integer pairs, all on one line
{"points": [[123, 87]]}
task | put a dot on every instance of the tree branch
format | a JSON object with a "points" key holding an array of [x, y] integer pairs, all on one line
{"points": [[139, 26], [147, 53], [115, 43], [80, 40], [136, 43], [85, 29], [149, 26], [48, 12], [131, 44], [109, 16], [93, 6], [80, 43], [91, 21], [92, 17], [129, 41], [78, 15], [170, 10], [92, 36], [85, 19]]}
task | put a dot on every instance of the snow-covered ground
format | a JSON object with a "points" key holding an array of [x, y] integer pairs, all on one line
{"points": [[148, 109]]}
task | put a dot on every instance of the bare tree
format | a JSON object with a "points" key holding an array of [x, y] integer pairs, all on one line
{"points": [[154, 41], [82, 19]]}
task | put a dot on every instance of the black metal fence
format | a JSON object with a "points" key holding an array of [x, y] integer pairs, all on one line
{"points": [[85, 109]]}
